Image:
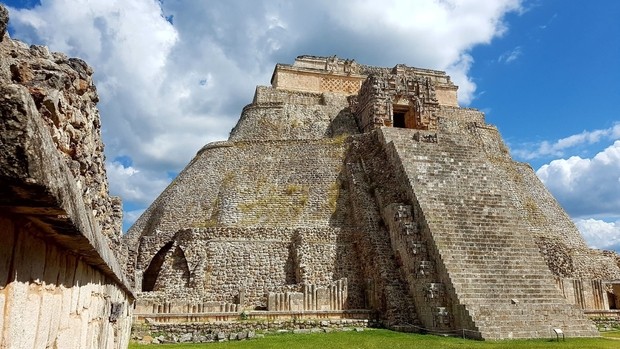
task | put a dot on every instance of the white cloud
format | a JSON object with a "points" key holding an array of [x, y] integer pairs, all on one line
{"points": [[511, 56], [586, 187], [134, 185], [166, 88], [557, 148], [600, 234]]}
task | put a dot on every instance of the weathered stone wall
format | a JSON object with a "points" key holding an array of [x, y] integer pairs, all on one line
{"points": [[343, 75], [383, 96], [241, 266], [245, 184], [65, 96], [586, 294], [239, 330], [454, 118], [386, 291], [277, 121], [54, 256], [51, 298], [61, 285]]}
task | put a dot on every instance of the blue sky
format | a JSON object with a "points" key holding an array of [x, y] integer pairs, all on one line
{"points": [[174, 75]]}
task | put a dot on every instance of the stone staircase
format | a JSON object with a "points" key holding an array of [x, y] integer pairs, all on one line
{"points": [[493, 265]]}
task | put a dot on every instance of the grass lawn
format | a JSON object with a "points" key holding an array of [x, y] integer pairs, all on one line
{"points": [[385, 339], [611, 334]]}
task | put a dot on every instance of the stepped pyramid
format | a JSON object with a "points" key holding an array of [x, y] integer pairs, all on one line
{"points": [[348, 190]]}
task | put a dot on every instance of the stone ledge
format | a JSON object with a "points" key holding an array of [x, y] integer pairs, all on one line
{"points": [[35, 183]]}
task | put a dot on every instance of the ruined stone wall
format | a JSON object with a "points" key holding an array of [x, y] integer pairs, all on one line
{"points": [[61, 285], [206, 332], [242, 265], [64, 94]]}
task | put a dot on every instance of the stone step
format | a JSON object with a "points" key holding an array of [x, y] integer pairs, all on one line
{"points": [[476, 225]]}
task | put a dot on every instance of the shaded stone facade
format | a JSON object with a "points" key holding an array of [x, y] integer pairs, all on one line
{"points": [[61, 284], [348, 190]]}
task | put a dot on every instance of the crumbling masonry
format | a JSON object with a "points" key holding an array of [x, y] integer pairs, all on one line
{"points": [[61, 283], [351, 191]]}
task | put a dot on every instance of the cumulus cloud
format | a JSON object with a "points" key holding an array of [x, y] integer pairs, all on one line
{"points": [[586, 187], [600, 234], [558, 148], [173, 75]]}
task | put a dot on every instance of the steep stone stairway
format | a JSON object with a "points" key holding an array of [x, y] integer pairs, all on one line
{"points": [[468, 201]]}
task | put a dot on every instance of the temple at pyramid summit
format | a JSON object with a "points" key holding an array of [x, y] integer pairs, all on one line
{"points": [[363, 195]]}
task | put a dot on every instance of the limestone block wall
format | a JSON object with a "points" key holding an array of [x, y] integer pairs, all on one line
{"points": [[250, 184], [586, 294], [313, 79], [266, 95], [51, 298], [243, 265], [345, 76], [456, 117], [279, 114], [561, 244], [312, 298], [256, 268], [149, 307]]}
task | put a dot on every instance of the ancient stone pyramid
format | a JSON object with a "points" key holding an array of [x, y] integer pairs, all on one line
{"points": [[348, 190]]}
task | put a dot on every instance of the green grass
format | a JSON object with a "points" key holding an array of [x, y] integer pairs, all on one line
{"points": [[611, 334], [385, 339]]}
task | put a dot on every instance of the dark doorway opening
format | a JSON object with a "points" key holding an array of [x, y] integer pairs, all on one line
{"points": [[152, 272], [611, 298], [399, 119]]}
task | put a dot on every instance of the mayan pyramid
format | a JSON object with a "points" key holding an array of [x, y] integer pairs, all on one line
{"points": [[348, 190]]}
